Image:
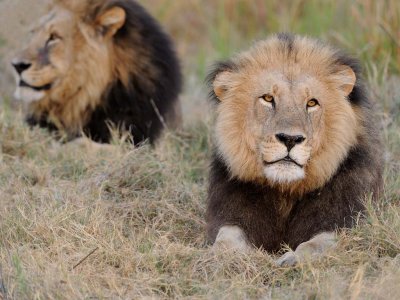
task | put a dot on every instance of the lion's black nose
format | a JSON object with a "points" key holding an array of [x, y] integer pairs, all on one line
{"points": [[21, 66], [290, 140]]}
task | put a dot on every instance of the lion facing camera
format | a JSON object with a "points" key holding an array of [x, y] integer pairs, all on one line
{"points": [[91, 65], [297, 148]]}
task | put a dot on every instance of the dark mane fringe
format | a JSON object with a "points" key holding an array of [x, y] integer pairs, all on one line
{"points": [[153, 88], [359, 95]]}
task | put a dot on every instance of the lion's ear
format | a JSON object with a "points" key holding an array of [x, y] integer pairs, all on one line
{"points": [[222, 83], [346, 78], [112, 20]]}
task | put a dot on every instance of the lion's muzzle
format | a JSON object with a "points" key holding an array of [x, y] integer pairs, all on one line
{"points": [[20, 66], [290, 140], [285, 156]]}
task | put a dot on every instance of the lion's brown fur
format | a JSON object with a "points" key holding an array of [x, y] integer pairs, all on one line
{"points": [[345, 163]]}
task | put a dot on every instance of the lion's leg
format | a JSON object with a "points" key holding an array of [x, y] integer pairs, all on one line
{"points": [[232, 237], [314, 248], [90, 145]]}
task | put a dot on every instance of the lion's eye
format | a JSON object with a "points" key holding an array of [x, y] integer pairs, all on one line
{"points": [[52, 39], [268, 98], [312, 103]]}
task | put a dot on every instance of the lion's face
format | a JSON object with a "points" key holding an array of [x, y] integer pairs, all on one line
{"points": [[285, 122], [66, 55], [290, 122], [42, 67]]}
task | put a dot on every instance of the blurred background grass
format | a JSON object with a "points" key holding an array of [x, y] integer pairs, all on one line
{"points": [[206, 29]]}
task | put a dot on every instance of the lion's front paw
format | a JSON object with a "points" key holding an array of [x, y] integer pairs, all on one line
{"points": [[232, 237], [289, 259], [310, 250]]}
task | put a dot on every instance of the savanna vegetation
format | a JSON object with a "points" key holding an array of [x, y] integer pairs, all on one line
{"points": [[81, 222]]}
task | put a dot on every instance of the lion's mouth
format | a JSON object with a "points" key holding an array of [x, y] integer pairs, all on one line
{"points": [[286, 159], [36, 88]]}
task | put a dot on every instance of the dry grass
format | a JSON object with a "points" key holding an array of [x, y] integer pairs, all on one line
{"points": [[141, 210]]}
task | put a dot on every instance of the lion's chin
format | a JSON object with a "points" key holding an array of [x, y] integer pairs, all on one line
{"points": [[283, 173], [28, 95]]}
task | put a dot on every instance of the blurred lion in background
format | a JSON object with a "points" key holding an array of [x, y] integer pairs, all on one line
{"points": [[93, 65]]}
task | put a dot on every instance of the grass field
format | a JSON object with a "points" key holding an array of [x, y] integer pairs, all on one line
{"points": [[124, 223]]}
